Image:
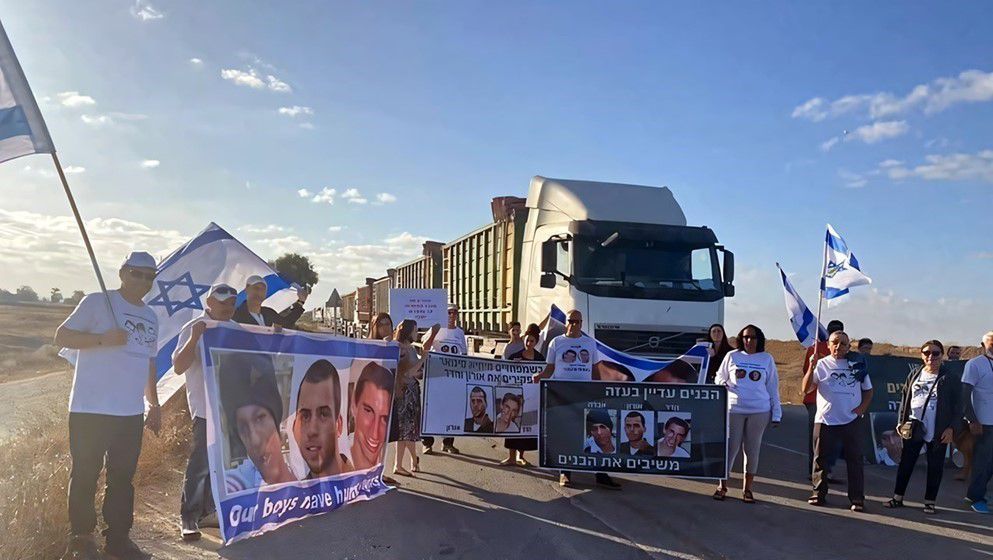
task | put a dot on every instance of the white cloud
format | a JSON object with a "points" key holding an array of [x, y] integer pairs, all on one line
{"points": [[971, 86], [307, 126], [358, 200], [295, 111], [852, 180], [890, 163], [143, 11], [878, 131], [262, 230], [335, 229], [253, 79], [73, 169], [946, 167], [286, 244], [150, 163], [347, 266], [197, 62], [304, 193], [829, 143], [98, 120], [351, 193], [75, 99], [385, 198], [325, 196]]}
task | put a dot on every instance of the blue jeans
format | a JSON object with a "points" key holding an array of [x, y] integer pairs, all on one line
{"points": [[982, 466]]}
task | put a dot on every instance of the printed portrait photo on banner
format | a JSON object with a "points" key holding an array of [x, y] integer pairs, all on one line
{"points": [[510, 407], [317, 419], [638, 433], [252, 413], [678, 371], [600, 436], [674, 429], [480, 409], [886, 441], [370, 406]]}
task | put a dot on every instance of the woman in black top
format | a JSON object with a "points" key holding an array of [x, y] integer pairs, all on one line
{"points": [[933, 399], [517, 446], [719, 348]]}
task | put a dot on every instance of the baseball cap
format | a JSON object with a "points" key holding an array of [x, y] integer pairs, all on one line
{"points": [[222, 292], [139, 259], [254, 279]]}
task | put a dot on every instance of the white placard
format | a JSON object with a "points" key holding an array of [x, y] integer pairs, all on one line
{"points": [[427, 307]]}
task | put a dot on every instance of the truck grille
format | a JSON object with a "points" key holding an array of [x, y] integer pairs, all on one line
{"points": [[648, 342]]}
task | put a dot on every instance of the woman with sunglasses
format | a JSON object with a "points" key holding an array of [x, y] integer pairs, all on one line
{"points": [[750, 375], [932, 402]]}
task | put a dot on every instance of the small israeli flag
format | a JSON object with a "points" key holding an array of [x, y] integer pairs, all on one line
{"points": [[22, 129], [842, 270], [799, 314], [183, 279]]}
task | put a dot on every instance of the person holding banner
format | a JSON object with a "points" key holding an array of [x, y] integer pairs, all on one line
{"points": [[562, 363], [252, 312], [517, 446], [516, 343], [116, 335], [407, 407], [719, 347], [197, 501], [931, 406], [381, 328], [844, 393], [977, 396], [449, 340], [750, 375]]}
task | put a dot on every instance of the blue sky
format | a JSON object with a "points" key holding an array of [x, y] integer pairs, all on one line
{"points": [[766, 124]]}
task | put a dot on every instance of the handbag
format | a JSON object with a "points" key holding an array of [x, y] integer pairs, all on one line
{"points": [[913, 429]]}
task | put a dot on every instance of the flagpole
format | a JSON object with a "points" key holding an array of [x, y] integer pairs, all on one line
{"points": [[820, 296], [82, 231]]}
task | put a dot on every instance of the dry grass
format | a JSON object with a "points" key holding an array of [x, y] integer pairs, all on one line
{"points": [[35, 466], [26, 333]]}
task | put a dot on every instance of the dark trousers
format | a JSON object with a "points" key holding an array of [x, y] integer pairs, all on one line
{"points": [[429, 441], [197, 499], [832, 454], [935, 451], [96, 441], [982, 465], [826, 439]]}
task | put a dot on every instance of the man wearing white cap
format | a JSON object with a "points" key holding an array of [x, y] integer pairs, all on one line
{"points": [[197, 500], [253, 313], [115, 367]]}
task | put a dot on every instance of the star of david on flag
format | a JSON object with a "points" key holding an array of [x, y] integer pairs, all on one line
{"points": [[187, 288], [842, 270]]}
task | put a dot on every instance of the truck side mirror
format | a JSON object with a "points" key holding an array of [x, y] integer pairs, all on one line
{"points": [[549, 256], [547, 280], [728, 273]]}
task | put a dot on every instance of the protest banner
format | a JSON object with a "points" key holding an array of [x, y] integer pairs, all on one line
{"points": [[479, 397], [296, 423], [888, 375], [427, 307], [639, 428]]}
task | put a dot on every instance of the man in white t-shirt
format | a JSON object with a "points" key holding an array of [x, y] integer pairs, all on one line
{"points": [[565, 360], [197, 500], [843, 395], [977, 394], [115, 369], [449, 340]]}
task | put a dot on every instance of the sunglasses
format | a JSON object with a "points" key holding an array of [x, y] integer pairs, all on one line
{"points": [[149, 276], [574, 321], [749, 337], [932, 353]]}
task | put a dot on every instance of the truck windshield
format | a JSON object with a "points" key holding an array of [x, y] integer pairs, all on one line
{"points": [[650, 269]]}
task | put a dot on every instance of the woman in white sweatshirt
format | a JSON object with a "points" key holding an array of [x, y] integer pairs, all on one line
{"points": [[750, 375]]}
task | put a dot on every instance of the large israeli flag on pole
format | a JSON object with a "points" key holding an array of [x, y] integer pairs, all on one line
{"points": [[183, 279], [800, 316], [22, 129], [842, 270]]}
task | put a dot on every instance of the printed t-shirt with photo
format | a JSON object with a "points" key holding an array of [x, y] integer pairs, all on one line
{"points": [[450, 341], [979, 373], [111, 380], [838, 391], [922, 387], [568, 356]]}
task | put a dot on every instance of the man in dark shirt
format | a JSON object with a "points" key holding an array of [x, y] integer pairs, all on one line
{"points": [[251, 312]]}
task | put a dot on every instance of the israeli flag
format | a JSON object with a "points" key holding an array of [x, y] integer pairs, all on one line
{"points": [[799, 314], [22, 129], [183, 279], [842, 268]]}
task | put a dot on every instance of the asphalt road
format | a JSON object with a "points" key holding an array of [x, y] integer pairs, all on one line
{"points": [[468, 507]]}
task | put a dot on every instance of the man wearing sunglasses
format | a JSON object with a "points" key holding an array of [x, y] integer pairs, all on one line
{"points": [[561, 363], [197, 501], [115, 368], [450, 340], [252, 312]]}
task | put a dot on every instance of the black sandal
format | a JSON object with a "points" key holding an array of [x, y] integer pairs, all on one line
{"points": [[930, 509], [893, 503], [816, 500], [747, 497], [720, 493]]}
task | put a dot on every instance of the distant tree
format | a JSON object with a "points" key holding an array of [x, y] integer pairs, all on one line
{"points": [[56, 296], [6, 296], [75, 298], [26, 293], [295, 268]]}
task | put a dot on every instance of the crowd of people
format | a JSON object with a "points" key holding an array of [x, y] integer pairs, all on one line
{"points": [[115, 374]]}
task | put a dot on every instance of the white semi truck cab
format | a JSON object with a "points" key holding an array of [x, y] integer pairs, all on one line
{"points": [[623, 255]]}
